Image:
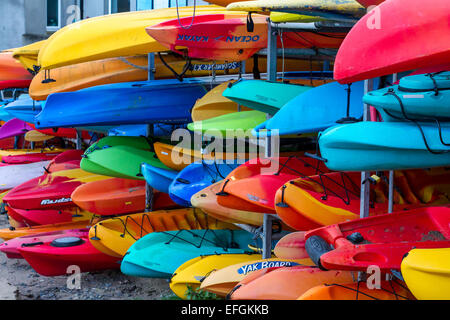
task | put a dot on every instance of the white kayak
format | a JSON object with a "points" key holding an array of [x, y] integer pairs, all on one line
{"points": [[14, 175]]}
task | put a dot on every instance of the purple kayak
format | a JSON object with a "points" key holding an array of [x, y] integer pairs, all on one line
{"points": [[14, 128]]}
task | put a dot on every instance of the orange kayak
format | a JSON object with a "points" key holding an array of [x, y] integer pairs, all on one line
{"points": [[253, 185], [316, 201], [11, 69], [286, 283], [390, 290], [117, 196], [107, 71], [178, 158], [13, 232], [115, 236], [206, 200]]}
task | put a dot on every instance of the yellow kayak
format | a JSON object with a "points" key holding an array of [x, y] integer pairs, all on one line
{"points": [[115, 35], [192, 272], [222, 279], [115, 236], [214, 104], [28, 55], [330, 9], [279, 17], [36, 136], [427, 273], [19, 152]]}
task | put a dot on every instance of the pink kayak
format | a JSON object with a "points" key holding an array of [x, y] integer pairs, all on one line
{"points": [[29, 158], [11, 247], [14, 128]]}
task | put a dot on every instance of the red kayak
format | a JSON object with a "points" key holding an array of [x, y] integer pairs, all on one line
{"points": [[253, 185], [368, 3], [53, 258], [399, 36], [50, 191], [382, 241], [8, 143], [11, 247], [42, 217], [66, 161], [63, 132], [227, 36], [12, 84]]}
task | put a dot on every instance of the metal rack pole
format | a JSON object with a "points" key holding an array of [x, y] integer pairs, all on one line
{"points": [[391, 172], [149, 194], [365, 175], [79, 143], [271, 76]]}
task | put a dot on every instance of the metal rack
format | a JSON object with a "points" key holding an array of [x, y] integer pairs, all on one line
{"points": [[272, 52]]}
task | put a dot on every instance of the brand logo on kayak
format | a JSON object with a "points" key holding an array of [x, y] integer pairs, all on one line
{"points": [[229, 39], [216, 67], [50, 201], [256, 199], [194, 38], [264, 265]]}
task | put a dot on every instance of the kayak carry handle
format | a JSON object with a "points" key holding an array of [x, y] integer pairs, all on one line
{"points": [[316, 246]]}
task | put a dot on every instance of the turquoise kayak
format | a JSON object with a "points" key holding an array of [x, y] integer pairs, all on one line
{"points": [[264, 96], [159, 254], [377, 146], [158, 178], [419, 97], [316, 110]]}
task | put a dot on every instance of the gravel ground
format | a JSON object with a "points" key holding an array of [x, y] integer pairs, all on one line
{"points": [[18, 281]]}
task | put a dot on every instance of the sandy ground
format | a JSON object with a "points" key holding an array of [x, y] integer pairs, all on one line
{"points": [[18, 281]]}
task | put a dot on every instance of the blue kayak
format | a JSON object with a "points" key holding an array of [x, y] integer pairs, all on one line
{"points": [[24, 108], [138, 130], [158, 178], [159, 254], [377, 146], [316, 110], [196, 177], [166, 101]]}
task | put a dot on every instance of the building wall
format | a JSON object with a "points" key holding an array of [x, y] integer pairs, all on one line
{"points": [[12, 23]]}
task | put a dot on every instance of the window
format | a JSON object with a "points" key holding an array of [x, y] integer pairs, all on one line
{"points": [[53, 15], [116, 6]]}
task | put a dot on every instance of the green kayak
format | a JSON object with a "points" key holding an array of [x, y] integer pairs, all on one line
{"points": [[120, 157], [264, 96], [234, 124]]}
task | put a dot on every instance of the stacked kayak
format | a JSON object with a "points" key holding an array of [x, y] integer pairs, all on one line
{"points": [[12, 73], [47, 199], [99, 105], [196, 177], [105, 157], [116, 235], [14, 128], [426, 273], [159, 254]]}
